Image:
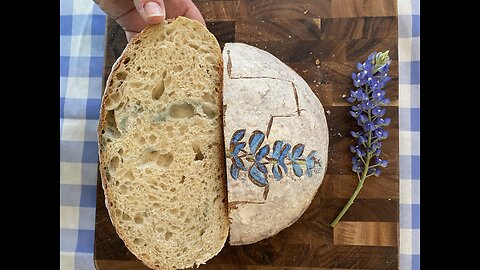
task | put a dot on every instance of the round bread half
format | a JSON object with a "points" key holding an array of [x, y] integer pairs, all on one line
{"points": [[161, 146], [276, 142]]}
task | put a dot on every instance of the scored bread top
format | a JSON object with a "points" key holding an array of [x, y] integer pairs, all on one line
{"points": [[276, 141], [161, 146]]}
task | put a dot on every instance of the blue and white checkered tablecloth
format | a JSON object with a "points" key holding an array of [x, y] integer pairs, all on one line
{"points": [[82, 36]]}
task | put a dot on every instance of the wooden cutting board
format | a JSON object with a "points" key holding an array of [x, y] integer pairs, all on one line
{"points": [[322, 40]]}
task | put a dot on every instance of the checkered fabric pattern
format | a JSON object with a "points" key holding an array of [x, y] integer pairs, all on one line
{"points": [[82, 35], [409, 126]]}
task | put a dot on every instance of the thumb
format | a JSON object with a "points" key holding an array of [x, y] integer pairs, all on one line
{"points": [[152, 11]]}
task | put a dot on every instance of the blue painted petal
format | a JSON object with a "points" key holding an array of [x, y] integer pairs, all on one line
{"points": [[261, 167], [256, 139], [257, 177], [297, 170], [297, 151], [309, 172], [239, 163], [238, 147], [237, 136], [283, 154], [310, 160], [277, 147], [262, 152], [234, 171], [277, 173]]}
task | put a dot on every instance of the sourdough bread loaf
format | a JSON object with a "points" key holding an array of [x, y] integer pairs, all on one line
{"points": [[276, 141], [161, 146]]}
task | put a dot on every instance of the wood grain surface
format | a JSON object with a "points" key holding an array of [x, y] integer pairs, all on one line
{"points": [[322, 40]]}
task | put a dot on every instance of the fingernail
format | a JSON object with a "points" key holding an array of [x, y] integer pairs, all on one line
{"points": [[153, 9]]}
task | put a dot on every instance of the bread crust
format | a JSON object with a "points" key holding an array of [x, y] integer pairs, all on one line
{"points": [[262, 94]]}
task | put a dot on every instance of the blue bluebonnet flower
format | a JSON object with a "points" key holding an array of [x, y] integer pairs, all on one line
{"points": [[367, 108], [367, 101]]}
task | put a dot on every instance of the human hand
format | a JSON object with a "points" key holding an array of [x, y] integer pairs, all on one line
{"points": [[135, 15]]}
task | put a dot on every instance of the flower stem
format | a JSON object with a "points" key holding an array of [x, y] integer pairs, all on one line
{"points": [[360, 180], [349, 203]]}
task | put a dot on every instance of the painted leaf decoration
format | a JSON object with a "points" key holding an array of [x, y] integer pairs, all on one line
{"points": [[277, 148], [297, 170], [239, 163], [309, 172], [311, 159], [234, 171], [238, 147], [257, 177], [283, 154], [262, 152], [297, 151], [261, 167], [256, 139], [237, 136], [277, 173]]}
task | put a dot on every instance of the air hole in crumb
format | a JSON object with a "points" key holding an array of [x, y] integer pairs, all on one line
{"points": [[198, 153], [168, 235], [156, 205], [118, 212], [174, 211], [165, 160], [157, 92], [109, 177], [187, 220], [138, 241], [120, 151], [129, 176], [138, 41], [121, 75], [194, 46], [182, 111], [111, 129], [152, 138], [178, 68], [163, 186], [207, 97], [202, 232], [126, 217], [126, 60], [209, 111], [173, 189], [113, 100], [169, 128], [183, 179], [114, 162], [138, 218]]}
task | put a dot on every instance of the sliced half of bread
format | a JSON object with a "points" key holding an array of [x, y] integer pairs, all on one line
{"points": [[161, 146]]}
